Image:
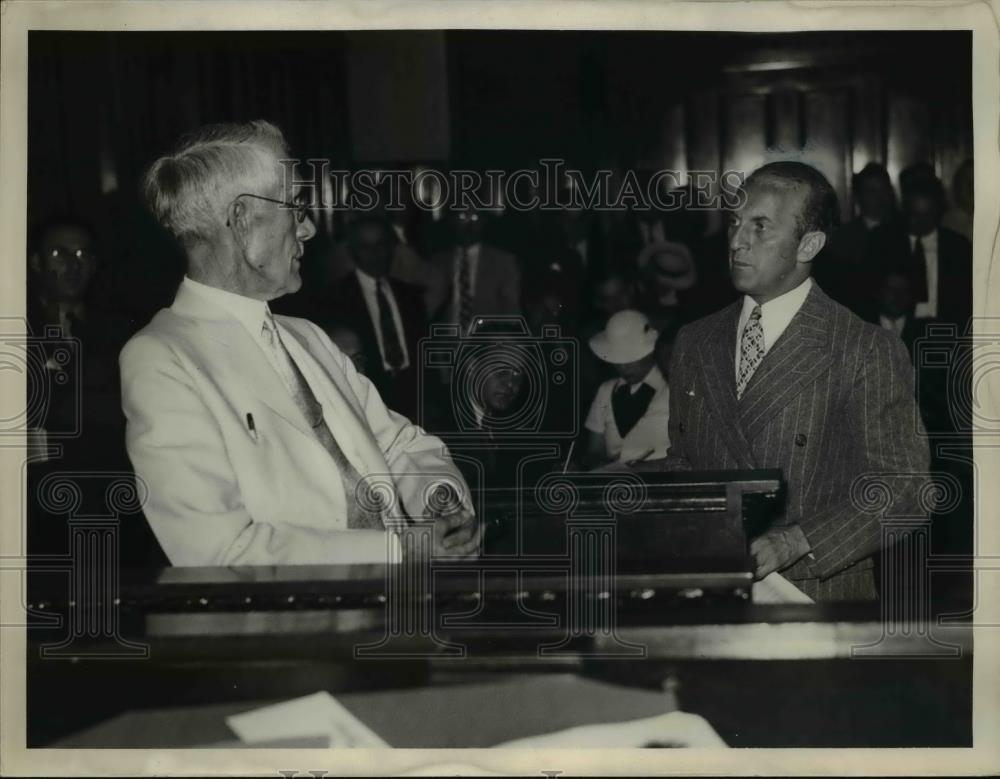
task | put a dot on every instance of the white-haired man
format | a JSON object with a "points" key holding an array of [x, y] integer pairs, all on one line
{"points": [[255, 435]]}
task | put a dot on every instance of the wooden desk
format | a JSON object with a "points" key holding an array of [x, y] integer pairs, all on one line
{"points": [[475, 714]]}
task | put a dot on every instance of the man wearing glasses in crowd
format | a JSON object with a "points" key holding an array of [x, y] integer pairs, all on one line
{"points": [[256, 437], [73, 337]]}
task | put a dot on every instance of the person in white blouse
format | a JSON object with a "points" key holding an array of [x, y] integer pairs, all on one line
{"points": [[627, 421], [254, 439]]}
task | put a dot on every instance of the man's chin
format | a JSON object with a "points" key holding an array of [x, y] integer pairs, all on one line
{"points": [[741, 283], [294, 283]]}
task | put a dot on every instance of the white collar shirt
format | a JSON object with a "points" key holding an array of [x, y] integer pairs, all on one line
{"points": [[892, 324], [472, 252], [369, 290], [928, 308], [775, 316]]}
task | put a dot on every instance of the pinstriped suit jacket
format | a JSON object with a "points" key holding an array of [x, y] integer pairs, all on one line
{"points": [[832, 401]]}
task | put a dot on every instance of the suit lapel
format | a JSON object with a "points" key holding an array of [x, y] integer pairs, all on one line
{"points": [[351, 300], [485, 288], [719, 369], [355, 299], [795, 360], [233, 350]]}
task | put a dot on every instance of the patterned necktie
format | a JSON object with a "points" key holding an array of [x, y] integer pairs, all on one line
{"points": [[390, 335], [312, 410], [751, 350], [464, 291], [919, 271]]}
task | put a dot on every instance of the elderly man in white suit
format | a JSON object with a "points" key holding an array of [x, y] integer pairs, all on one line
{"points": [[256, 437]]}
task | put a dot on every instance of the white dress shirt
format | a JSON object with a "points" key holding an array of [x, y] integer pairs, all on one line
{"points": [[250, 312], [893, 324], [369, 290], [472, 252], [649, 433], [775, 316], [928, 309], [479, 413], [78, 310]]}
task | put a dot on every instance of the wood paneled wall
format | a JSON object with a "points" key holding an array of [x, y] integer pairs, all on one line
{"points": [[837, 101]]}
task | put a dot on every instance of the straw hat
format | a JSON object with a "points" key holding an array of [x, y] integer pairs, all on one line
{"points": [[627, 337]]}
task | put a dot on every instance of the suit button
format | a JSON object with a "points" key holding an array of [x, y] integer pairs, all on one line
{"points": [[800, 439], [680, 427]]}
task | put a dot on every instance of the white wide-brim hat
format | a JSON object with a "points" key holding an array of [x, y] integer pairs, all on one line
{"points": [[627, 337]]}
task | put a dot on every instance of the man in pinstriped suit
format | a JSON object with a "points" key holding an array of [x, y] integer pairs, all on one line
{"points": [[787, 378]]}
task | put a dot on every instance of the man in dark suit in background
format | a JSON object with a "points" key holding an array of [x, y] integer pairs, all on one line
{"points": [[786, 378], [937, 260], [387, 314], [76, 341], [846, 268], [472, 278], [895, 312]]}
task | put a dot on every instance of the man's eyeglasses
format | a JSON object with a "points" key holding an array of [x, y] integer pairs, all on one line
{"points": [[63, 253], [300, 204]]}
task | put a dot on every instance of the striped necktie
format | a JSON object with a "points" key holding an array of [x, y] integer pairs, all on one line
{"points": [[312, 410], [464, 291], [751, 350], [391, 344]]}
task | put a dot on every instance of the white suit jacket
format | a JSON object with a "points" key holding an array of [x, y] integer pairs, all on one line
{"points": [[221, 494]]}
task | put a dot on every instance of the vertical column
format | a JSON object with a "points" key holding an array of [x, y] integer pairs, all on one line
{"points": [[94, 627], [592, 607], [905, 581], [410, 617]]}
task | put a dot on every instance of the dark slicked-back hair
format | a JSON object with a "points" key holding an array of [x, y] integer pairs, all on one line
{"points": [[929, 187], [370, 219], [820, 210], [875, 171], [39, 232]]}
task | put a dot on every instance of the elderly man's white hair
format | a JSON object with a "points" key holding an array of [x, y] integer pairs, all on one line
{"points": [[189, 191]]}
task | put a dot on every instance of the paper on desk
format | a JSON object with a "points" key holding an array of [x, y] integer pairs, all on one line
{"points": [[676, 729], [775, 588], [319, 714]]}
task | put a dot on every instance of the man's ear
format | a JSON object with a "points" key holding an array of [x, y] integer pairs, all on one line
{"points": [[810, 245], [35, 262], [238, 216]]}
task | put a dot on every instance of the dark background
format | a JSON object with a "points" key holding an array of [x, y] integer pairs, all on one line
{"points": [[103, 105]]}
